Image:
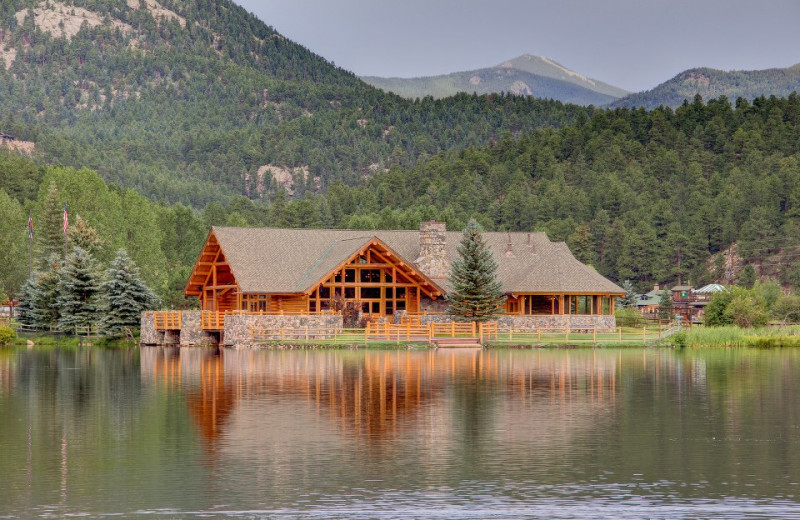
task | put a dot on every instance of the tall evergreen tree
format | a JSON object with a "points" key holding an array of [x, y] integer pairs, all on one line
{"points": [[26, 312], [82, 235], [629, 300], [477, 294], [79, 289], [51, 230], [125, 296], [46, 304], [665, 305]]}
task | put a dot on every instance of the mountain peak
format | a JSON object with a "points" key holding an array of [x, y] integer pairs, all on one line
{"points": [[550, 68]]}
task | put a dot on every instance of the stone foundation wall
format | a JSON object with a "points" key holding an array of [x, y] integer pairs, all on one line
{"points": [[237, 327], [192, 334], [439, 305], [558, 321], [544, 321], [148, 333]]}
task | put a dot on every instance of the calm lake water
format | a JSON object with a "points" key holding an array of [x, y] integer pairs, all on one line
{"points": [[166, 433]]}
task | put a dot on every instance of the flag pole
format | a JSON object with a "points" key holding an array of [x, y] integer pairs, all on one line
{"points": [[66, 227], [30, 246]]}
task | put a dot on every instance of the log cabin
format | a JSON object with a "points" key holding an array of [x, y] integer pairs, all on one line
{"points": [[390, 273]]}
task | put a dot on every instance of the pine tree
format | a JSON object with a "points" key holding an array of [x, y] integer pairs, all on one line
{"points": [[629, 300], [46, 304], [51, 236], [82, 235], [125, 296], [79, 291], [26, 313], [665, 305], [477, 294]]}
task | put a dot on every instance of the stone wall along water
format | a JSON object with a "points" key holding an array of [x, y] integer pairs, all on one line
{"points": [[237, 326]]}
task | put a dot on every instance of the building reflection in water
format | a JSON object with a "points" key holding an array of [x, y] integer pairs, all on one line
{"points": [[378, 393]]}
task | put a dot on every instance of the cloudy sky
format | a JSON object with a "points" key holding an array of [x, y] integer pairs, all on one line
{"points": [[634, 44]]}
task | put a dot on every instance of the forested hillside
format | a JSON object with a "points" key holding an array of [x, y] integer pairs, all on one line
{"points": [[712, 83], [197, 100], [645, 196]]}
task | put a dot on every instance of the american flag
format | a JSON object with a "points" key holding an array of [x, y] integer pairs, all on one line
{"points": [[30, 225], [66, 219]]}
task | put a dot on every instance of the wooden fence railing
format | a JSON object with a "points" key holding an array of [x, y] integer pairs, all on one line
{"points": [[168, 320], [490, 332]]}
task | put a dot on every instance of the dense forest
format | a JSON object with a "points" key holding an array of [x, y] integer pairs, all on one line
{"points": [[195, 101], [646, 196], [155, 121]]}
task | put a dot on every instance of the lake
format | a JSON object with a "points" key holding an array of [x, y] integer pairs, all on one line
{"points": [[203, 433]]}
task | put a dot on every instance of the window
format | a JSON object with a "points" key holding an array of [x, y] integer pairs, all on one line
{"points": [[349, 276], [370, 276], [389, 292], [325, 292], [350, 292], [368, 293]]}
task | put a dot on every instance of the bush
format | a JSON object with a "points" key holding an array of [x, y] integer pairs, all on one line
{"points": [[748, 309], [679, 339], [7, 335], [716, 315], [629, 318]]}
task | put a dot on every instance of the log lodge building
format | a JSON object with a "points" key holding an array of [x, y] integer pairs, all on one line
{"points": [[269, 277]]}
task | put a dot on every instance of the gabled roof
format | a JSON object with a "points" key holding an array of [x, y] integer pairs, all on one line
{"points": [[710, 289], [277, 260]]}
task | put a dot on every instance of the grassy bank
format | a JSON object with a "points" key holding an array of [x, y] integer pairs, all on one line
{"points": [[732, 336]]}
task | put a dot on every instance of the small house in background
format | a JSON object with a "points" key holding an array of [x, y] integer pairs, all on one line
{"points": [[700, 298], [7, 138], [648, 303], [681, 299]]}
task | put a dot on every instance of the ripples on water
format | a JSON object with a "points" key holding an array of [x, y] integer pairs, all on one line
{"points": [[397, 434]]}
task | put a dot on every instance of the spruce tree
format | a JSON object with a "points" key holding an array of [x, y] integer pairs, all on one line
{"points": [[125, 296], [82, 235], [46, 304], [630, 298], [79, 290], [477, 294], [26, 312], [51, 231], [665, 305]]}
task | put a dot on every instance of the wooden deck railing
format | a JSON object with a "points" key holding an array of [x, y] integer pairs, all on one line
{"points": [[212, 320], [490, 332], [168, 320]]}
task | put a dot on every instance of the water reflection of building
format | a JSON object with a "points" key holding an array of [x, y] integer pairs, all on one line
{"points": [[373, 394]]}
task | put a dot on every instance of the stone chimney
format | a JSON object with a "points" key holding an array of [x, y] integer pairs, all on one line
{"points": [[432, 258], [656, 287]]}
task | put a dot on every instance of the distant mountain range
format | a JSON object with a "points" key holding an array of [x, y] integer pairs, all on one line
{"points": [[535, 76], [712, 83]]}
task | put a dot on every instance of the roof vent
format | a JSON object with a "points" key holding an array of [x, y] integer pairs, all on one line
{"points": [[509, 247]]}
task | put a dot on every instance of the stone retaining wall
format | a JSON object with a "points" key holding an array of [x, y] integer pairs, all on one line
{"points": [[192, 334], [545, 321], [148, 333], [558, 321], [237, 326]]}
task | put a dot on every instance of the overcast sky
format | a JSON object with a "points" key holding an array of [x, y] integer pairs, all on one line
{"points": [[633, 44]]}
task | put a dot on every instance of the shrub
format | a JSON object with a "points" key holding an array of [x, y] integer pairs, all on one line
{"points": [[629, 318], [679, 339], [748, 308], [7, 334]]}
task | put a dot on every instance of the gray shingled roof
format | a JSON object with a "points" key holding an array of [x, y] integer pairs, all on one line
{"points": [[272, 260]]}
